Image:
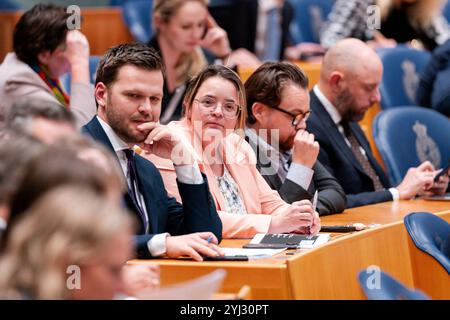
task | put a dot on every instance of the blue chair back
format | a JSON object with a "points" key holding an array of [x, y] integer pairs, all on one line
{"points": [[137, 16], [93, 63], [388, 289], [402, 69], [446, 11], [10, 5], [407, 136], [430, 234], [309, 17]]}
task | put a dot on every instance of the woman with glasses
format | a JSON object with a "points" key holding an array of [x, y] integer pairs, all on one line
{"points": [[215, 114]]}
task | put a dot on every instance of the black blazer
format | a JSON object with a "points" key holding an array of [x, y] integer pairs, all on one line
{"points": [[339, 160], [239, 20], [196, 214], [331, 197]]}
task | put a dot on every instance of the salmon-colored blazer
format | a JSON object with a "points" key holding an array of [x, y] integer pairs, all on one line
{"points": [[259, 199]]}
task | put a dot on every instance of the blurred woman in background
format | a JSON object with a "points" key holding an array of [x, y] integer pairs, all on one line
{"points": [[188, 39]]}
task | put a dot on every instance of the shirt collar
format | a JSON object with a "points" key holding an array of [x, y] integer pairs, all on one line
{"points": [[117, 143], [332, 111]]}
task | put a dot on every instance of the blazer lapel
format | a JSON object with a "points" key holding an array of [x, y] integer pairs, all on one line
{"points": [[333, 131]]}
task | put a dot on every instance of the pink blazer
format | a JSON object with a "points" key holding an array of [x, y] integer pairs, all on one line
{"points": [[259, 199], [18, 80]]}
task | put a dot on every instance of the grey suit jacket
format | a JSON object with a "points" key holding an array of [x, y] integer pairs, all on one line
{"points": [[331, 198], [18, 80]]}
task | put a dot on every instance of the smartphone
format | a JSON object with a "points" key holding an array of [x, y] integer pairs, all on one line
{"points": [[443, 172]]}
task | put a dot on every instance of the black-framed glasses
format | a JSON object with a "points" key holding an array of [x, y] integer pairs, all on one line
{"points": [[230, 109], [296, 118]]}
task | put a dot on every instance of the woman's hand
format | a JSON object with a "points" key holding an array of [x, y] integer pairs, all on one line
{"points": [[216, 39]]}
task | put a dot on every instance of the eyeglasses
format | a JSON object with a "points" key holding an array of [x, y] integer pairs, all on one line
{"points": [[230, 109], [296, 118]]}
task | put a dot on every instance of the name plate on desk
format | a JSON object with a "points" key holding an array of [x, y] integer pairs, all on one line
{"points": [[289, 240]]}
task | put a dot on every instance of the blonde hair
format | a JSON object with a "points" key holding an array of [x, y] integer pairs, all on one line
{"points": [[66, 226], [189, 64], [420, 14], [222, 72]]}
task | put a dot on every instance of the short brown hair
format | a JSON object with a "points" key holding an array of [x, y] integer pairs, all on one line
{"points": [[267, 82], [42, 28], [135, 54]]}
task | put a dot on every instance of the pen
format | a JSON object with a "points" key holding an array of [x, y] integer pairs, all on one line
{"points": [[314, 206], [210, 239]]}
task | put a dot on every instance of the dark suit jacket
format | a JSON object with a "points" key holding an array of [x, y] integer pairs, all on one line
{"points": [[239, 20], [165, 214], [331, 197], [339, 160]]}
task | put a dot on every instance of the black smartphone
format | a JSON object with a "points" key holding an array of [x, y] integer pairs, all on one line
{"points": [[443, 172]]}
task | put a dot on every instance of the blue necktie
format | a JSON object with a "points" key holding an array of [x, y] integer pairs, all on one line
{"points": [[272, 43], [132, 175]]}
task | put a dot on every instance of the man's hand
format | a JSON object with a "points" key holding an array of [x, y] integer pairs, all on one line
{"points": [[299, 214], [416, 181], [193, 245], [305, 149], [439, 187], [167, 143]]}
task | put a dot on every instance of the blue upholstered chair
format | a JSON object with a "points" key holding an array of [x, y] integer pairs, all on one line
{"points": [[389, 288], [137, 16], [407, 136], [93, 62], [431, 234], [402, 68], [309, 16], [446, 11], [10, 5]]}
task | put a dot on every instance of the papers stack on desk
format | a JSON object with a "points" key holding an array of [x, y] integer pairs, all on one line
{"points": [[299, 240], [252, 254]]}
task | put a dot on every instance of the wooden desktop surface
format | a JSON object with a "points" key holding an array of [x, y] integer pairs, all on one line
{"points": [[326, 272]]}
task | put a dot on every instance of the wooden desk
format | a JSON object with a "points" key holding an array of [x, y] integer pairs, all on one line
{"points": [[327, 272], [103, 27]]}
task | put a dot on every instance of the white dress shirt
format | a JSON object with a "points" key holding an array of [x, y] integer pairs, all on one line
{"points": [[336, 117], [188, 174]]}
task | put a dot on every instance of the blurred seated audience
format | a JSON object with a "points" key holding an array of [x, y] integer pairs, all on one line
{"points": [[70, 244], [44, 120], [433, 90], [187, 39], [15, 154], [214, 106], [286, 153], [44, 50], [418, 23], [348, 86], [31, 170], [260, 27]]}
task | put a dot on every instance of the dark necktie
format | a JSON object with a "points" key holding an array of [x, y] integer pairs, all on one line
{"points": [[134, 191], [363, 161]]}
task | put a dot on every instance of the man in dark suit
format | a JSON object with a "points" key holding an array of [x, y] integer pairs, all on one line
{"points": [[278, 106], [128, 91], [348, 86], [241, 18]]}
